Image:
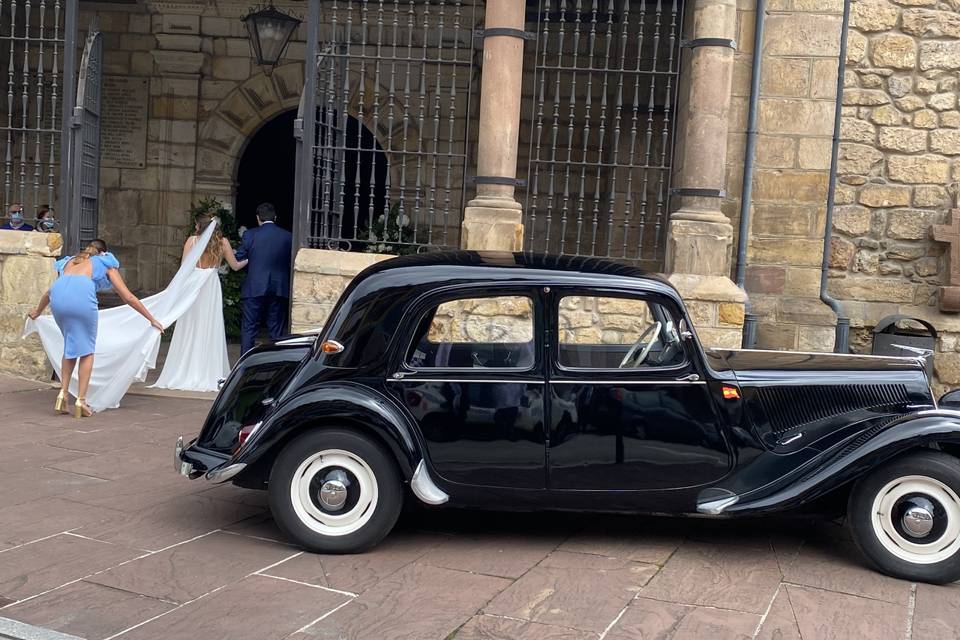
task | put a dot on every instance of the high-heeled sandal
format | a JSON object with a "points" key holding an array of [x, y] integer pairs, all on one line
{"points": [[81, 410], [60, 406]]}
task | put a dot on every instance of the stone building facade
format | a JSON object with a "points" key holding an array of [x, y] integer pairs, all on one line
{"points": [[899, 152]]}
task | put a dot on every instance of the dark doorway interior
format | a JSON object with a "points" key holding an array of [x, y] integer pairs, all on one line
{"points": [[266, 172]]}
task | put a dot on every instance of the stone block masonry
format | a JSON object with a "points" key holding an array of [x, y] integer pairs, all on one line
{"points": [[26, 273], [900, 154], [791, 175]]}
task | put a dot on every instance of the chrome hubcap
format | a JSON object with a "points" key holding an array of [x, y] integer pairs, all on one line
{"points": [[918, 521], [333, 491]]}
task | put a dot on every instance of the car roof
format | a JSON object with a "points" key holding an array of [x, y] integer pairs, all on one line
{"points": [[465, 263], [378, 299]]}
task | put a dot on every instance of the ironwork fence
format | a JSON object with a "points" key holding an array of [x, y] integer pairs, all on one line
{"points": [[391, 128], [32, 50], [85, 143], [598, 126]]}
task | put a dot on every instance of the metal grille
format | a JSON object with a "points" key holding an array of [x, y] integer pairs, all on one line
{"points": [[31, 52], [86, 138], [393, 100], [599, 127], [792, 406]]}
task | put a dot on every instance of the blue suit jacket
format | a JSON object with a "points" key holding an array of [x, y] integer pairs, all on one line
{"points": [[267, 247]]}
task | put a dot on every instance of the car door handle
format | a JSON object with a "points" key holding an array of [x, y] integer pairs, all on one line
{"points": [[690, 377]]}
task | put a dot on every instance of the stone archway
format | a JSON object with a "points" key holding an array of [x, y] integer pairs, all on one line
{"points": [[227, 129]]}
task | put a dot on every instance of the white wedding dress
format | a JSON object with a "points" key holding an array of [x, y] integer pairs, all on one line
{"points": [[197, 358], [127, 345]]}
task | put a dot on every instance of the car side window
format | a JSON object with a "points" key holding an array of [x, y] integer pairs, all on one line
{"points": [[476, 333], [608, 332]]}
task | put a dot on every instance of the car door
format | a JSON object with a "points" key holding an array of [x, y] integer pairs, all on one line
{"points": [[619, 422], [472, 377]]}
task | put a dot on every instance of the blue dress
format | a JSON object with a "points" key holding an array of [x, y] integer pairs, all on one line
{"points": [[73, 301]]}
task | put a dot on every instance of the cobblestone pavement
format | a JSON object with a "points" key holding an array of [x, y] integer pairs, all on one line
{"points": [[99, 538]]}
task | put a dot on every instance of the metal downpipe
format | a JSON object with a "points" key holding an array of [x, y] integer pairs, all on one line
{"points": [[842, 335], [746, 193]]}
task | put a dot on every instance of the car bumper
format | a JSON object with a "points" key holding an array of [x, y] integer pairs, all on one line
{"points": [[192, 464]]}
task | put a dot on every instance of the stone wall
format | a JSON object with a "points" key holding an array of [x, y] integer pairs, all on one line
{"points": [[319, 277], [899, 157], [26, 272], [795, 125], [192, 55]]}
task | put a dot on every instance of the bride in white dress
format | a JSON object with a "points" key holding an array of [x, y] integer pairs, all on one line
{"points": [[197, 358], [127, 345]]}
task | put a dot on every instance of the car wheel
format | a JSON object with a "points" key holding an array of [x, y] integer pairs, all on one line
{"points": [[905, 517], [335, 491]]}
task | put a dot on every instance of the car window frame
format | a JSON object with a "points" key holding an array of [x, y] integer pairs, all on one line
{"points": [[435, 298], [676, 312]]}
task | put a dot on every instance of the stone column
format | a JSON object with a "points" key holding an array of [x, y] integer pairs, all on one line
{"points": [[700, 236], [493, 220]]}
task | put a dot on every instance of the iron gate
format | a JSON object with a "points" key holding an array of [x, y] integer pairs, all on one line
{"points": [[598, 126], [390, 131], [33, 49], [85, 144]]}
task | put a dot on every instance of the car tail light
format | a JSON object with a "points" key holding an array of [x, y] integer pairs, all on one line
{"points": [[246, 432]]}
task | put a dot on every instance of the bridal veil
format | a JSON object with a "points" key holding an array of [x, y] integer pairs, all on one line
{"points": [[127, 345]]}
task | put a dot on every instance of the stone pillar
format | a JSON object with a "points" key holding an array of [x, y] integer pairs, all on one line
{"points": [[700, 236], [493, 220], [26, 272]]}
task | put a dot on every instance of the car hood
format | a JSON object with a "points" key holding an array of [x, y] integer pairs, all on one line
{"points": [[749, 361]]}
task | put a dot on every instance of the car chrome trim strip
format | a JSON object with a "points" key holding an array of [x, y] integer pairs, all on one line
{"points": [[309, 339], [819, 353], [502, 381], [224, 473], [628, 382], [487, 381], [716, 507], [424, 488]]}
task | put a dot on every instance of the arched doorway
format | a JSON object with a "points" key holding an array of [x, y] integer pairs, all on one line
{"points": [[266, 171]]}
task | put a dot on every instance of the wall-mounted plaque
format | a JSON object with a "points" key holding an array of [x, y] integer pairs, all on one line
{"points": [[123, 122]]}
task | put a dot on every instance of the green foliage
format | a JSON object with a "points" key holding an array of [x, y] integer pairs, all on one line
{"points": [[231, 281], [393, 232]]}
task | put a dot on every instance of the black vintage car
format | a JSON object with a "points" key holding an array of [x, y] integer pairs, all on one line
{"points": [[518, 381]]}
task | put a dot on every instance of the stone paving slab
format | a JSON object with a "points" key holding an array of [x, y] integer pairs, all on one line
{"points": [[100, 539]]}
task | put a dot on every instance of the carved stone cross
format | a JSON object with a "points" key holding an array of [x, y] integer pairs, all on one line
{"points": [[950, 234]]}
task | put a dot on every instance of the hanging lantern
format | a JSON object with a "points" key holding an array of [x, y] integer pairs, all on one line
{"points": [[270, 31]]}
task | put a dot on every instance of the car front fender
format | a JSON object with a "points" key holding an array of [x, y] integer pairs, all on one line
{"points": [[338, 404], [854, 457]]}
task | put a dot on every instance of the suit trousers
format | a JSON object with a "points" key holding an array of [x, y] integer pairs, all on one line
{"points": [[255, 310]]}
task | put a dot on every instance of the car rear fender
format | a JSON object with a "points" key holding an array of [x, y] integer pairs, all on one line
{"points": [[853, 458], [337, 404]]}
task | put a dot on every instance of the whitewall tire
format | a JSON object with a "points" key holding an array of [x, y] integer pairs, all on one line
{"points": [[335, 491], [905, 517]]}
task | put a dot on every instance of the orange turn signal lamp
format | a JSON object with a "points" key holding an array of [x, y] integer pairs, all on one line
{"points": [[331, 346], [731, 393]]}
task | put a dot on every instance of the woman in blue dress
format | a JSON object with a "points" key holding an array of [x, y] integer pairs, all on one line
{"points": [[73, 300]]}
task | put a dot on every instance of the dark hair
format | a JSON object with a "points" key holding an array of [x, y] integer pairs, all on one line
{"points": [[42, 210], [266, 212]]}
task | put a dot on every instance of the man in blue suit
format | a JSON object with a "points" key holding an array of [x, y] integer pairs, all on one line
{"points": [[266, 290]]}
